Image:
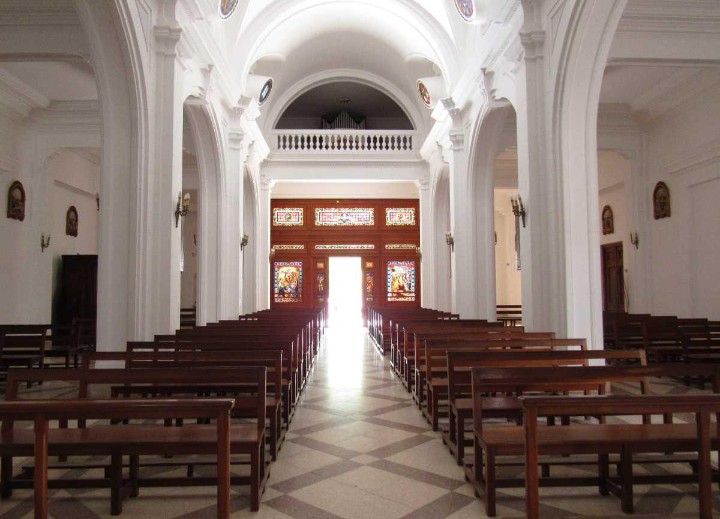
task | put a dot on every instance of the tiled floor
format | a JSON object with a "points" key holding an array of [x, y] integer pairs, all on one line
{"points": [[358, 448]]}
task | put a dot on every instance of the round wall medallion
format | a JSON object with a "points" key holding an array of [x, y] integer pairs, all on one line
{"points": [[265, 91], [466, 8], [424, 93], [227, 7]]}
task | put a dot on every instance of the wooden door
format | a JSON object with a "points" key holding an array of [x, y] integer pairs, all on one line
{"points": [[613, 278]]}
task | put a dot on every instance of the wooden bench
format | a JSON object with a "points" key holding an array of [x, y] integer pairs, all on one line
{"points": [[22, 346], [246, 438], [459, 383], [434, 374], [509, 315], [627, 439], [271, 359], [501, 441], [41, 441]]}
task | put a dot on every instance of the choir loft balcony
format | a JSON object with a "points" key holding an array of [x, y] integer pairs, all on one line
{"points": [[388, 144]]}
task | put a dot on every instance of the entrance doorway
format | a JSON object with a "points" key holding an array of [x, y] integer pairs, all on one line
{"points": [[612, 278], [345, 302]]}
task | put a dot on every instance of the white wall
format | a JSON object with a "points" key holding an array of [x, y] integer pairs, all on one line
{"points": [[74, 181], [345, 190], [683, 150], [614, 172], [508, 277]]}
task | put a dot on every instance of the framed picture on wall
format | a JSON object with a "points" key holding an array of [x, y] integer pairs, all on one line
{"points": [[608, 220], [661, 201], [16, 201], [71, 221]]}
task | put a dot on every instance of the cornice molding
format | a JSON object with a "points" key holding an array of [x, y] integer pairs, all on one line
{"points": [[79, 115], [700, 17], [696, 157], [18, 96], [617, 118]]}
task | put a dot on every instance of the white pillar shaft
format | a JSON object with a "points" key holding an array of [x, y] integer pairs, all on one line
{"points": [[166, 185], [462, 220], [427, 247], [263, 263]]}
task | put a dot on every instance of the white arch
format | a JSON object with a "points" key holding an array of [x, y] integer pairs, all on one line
{"points": [[118, 66], [206, 135], [418, 20], [353, 75]]}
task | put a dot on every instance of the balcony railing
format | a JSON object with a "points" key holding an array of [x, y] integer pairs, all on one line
{"points": [[344, 141]]}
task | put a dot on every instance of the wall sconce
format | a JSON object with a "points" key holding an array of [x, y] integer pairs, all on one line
{"points": [[419, 253], [450, 240], [518, 208], [44, 243], [182, 208], [634, 239], [244, 242], [97, 200]]}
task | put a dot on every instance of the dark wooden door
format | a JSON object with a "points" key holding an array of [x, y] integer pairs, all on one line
{"points": [[613, 278], [77, 295]]}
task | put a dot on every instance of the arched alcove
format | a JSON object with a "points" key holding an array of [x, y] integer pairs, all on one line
{"points": [[346, 104]]}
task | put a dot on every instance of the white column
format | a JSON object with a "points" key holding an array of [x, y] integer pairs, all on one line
{"points": [[464, 280], [541, 240], [163, 237], [427, 245], [234, 229], [263, 250]]}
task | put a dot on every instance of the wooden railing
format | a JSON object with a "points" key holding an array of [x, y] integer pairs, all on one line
{"points": [[344, 141]]}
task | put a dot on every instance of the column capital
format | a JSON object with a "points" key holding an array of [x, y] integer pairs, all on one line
{"points": [[457, 140], [533, 43], [236, 138], [167, 38]]}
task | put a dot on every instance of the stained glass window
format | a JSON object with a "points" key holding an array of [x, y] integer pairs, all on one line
{"points": [[424, 93], [400, 216], [400, 281], [336, 216], [288, 281], [466, 8], [288, 216], [227, 7], [344, 246]]}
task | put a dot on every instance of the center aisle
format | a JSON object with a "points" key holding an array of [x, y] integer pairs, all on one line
{"points": [[359, 448]]}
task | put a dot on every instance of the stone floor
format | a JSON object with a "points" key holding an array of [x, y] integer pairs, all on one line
{"points": [[358, 448]]}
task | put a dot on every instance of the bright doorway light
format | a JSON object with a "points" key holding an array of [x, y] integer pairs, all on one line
{"points": [[345, 302]]}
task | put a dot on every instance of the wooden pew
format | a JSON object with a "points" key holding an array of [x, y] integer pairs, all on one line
{"points": [[459, 383], [41, 441], [493, 442], [424, 342], [22, 345], [431, 373], [509, 315], [628, 439], [247, 438], [271, 359], [290, 391]]}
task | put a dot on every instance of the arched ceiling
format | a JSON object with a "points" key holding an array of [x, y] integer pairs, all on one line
{"points": [[399, 41]]}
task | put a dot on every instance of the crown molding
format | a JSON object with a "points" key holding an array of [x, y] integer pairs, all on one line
{"points": [[19, 97]]}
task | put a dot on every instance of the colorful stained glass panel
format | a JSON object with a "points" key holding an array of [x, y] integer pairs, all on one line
{"points": [[400, 216], [288, 281], [288, 216], [351, 216], [400, 281], [466, 8], [227, 7]]}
